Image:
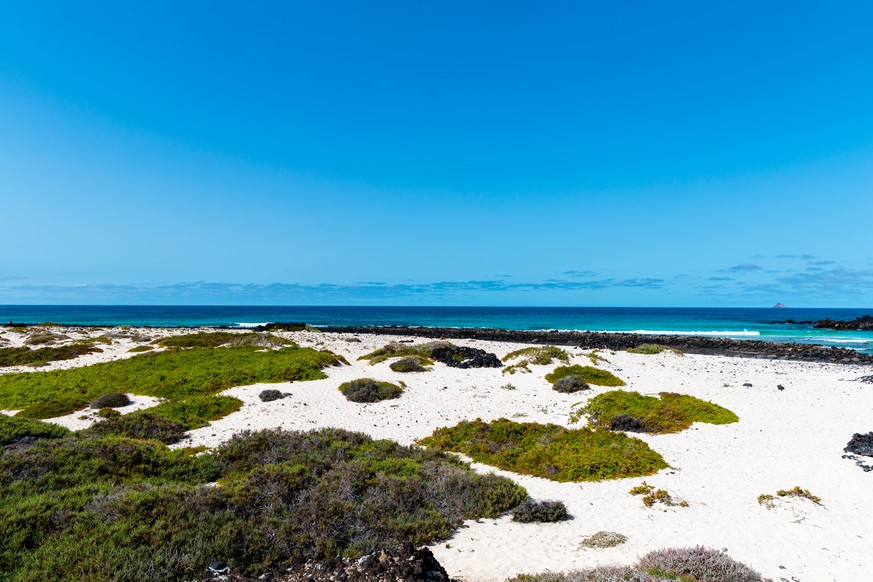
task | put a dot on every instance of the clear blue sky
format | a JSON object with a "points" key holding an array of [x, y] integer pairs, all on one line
{"points": [[506, 153]]}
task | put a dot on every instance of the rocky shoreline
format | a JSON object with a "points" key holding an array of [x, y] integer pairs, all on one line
{"points": [[622, 341], [863, 323]]}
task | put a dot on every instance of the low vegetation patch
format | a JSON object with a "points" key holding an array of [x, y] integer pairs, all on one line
{"points": [[603, 539], [589, 374], [369, 390], [631, 411], [421, 352], [137, 425], [549, 450], [595, 357], [409, 364], [540, 512], [172, 375], [214, 339], [112, 400], [24, 356], [651, 496], [44, 336], [111, 508], [13, 428], [440, 351], [570, 384], [107, 412], [654, 349], [539, 355], [698, 564], [196, 411], [140, 349], [768, 500]]}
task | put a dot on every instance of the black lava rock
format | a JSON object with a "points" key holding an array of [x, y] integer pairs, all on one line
{"points": [[271, 395], [861, 444], [865, 323], [404, 564], [464, 357], [621, 341]]}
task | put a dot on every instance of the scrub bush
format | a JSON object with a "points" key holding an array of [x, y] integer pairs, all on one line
{"points": [[589, 374], [540, 512], [369, 390], [622, 410], [549, 450], [112, 400]]}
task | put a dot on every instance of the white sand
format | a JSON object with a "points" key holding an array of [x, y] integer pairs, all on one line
{"points": [[784, 438]]}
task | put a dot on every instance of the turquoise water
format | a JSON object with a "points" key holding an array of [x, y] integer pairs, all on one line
{"points": [[723, 322]]}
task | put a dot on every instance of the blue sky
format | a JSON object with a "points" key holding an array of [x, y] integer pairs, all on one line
{"points": [[457, 153]]}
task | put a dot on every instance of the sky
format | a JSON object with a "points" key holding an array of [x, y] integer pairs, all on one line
{"points": [[437, 153]]}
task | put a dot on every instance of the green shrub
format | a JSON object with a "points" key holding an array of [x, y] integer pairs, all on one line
{"points": [[570, 384], [669, 413], [140, 349], [768, 500], [596, 358], [539, 355], [13, 428], [369, 390], [697, 564], [196, 411], [399, 350], [23, 356], [408, 364], [214, 339], [173, 375], [654, 349], [603, 539], [41, 337], [107, 412], [549, 450], [112, 400], [651, 496], [540, 512], [589, 374], [126, 509], [138, 425]]}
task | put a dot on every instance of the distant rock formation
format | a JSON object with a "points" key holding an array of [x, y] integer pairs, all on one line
{"points": [[779, 306], [863, 323]]}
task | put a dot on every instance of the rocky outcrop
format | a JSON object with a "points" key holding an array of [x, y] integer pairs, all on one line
{"points": [[623, 341], [464, 357], [861, 444], [863, 323], [404, 564]]}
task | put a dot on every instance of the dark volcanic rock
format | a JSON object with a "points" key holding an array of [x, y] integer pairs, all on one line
{"points": [[404, 564], [464, 357], [863, 323], [622, 341], [628, 423], [281, 326], [861, 444], [271, 395]]}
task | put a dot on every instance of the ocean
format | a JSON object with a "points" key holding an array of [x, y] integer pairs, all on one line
{"points": [[738, 323]]}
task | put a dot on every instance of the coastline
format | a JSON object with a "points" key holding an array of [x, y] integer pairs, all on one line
{"points": [[746, 348], [785, 438]]}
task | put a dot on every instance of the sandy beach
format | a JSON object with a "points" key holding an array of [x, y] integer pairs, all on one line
{"points": [[784, 438]]}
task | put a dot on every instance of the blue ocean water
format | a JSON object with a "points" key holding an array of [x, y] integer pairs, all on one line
{"points": [[739, 323]]}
